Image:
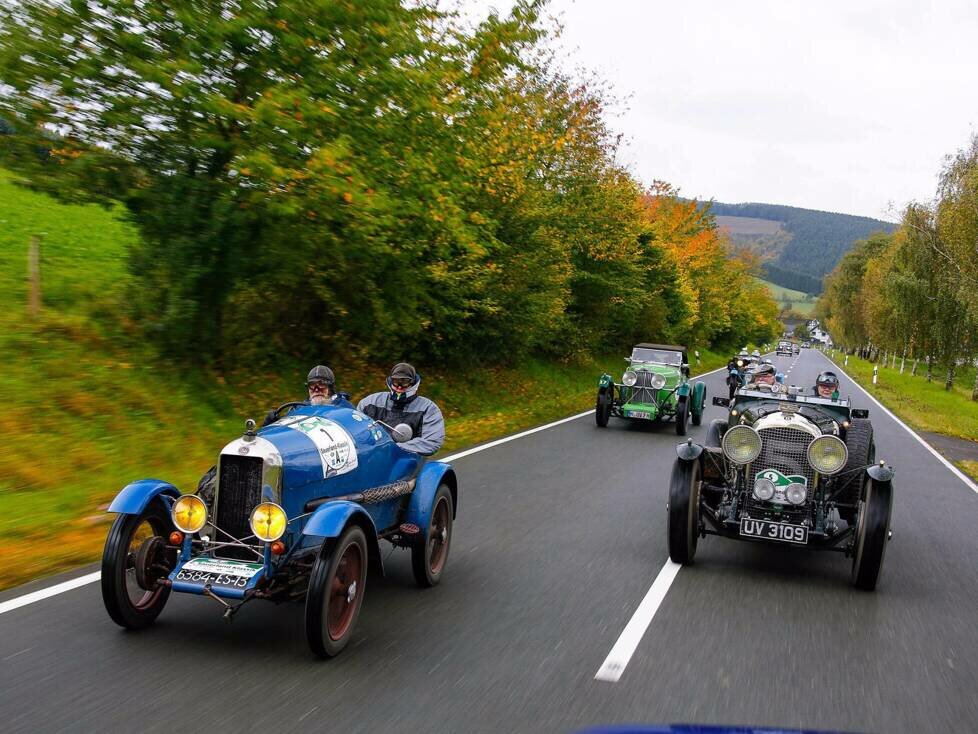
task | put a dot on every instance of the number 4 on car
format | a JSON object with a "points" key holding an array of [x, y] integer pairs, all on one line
{"points": [[297, 514]]}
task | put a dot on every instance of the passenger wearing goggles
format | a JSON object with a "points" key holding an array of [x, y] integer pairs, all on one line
{"points": [[827, 385], [402, 404]]}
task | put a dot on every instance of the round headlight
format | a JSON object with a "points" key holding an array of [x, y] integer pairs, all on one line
{"points": [[268, 521], [796, 493], [658, 381], [629, 378], [741, 444], [827, 454], [764, 489], [189, 513]]}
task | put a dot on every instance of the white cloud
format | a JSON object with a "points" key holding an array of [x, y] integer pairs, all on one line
{"points": [[830, 105]]}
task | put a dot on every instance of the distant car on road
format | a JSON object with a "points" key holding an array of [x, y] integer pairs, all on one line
{"points": [[806, 345], [788, 469], [296, 514], [784, 347], [655, 386]]}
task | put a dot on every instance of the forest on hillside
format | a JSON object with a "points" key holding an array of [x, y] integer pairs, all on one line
{"points": [[811, 241], [376, 179]]}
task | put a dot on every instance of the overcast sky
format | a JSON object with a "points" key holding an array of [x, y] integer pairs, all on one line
{"points": [[842, 106]]}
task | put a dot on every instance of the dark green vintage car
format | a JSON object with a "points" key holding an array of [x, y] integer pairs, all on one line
{"points": [[655, 387]]}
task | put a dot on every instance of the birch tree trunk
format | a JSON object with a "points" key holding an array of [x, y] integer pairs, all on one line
{"points": [[916, 361], [949, 380]]}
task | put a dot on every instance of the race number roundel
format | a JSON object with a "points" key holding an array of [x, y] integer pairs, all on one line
{"points": [[336, 447]]}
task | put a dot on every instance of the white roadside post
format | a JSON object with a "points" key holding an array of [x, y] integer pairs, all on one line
{"points": [[846, 363], [876, 371]]}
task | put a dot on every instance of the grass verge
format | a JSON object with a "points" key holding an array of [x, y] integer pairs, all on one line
{"points": [[923, 405]]}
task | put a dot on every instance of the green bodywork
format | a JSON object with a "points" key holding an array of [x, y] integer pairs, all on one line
{"points": [[647, 403]]}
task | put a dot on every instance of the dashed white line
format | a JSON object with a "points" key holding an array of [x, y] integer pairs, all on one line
{"points": [[614, 665]]}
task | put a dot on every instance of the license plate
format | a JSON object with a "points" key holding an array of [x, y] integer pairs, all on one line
{"points": [[217, 572], [638, 414], [785, 532]]}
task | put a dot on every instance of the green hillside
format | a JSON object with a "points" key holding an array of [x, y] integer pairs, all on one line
{"points": [[799, 245], [797, 301]]}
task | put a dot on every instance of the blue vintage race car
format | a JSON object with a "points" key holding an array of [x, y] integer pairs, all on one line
{"points": [[296, 513]]}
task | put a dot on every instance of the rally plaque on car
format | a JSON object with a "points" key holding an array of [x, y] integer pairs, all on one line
{"points": [[217, 572]]}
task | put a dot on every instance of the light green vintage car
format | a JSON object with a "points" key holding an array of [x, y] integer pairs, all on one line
{"points": [[655, 387]]}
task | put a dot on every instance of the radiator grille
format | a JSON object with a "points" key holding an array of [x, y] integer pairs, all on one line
{"points": [[784, 449], [643, 392], [239, 491]]}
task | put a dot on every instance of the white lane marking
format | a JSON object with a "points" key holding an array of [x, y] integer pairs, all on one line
{"points": [[614, 665], [34, 596], [91, 578], [957, 472]]}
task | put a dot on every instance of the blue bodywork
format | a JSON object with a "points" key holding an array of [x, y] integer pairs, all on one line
{"points": [[309, 473]]}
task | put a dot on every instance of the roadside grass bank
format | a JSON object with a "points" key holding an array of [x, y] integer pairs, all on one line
{"points": [[923, 405], [88, 408]]}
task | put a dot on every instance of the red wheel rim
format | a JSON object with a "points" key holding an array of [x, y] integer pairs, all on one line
{"points": [[139, 598], [345, 590], [439, 535]]}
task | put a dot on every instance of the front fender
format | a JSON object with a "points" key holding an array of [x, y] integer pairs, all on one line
{"points": [[331, 519], [432, 475], [683, 390], [133, 498], [688, 451], [699, 397]]}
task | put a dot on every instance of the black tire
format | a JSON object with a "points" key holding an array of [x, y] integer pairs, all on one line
{"points": [[872, 534], [335, 595], [129, 604], [682, 414], [862, 453], [684, 521], [602, 407], [428, 560], [714, 433]]}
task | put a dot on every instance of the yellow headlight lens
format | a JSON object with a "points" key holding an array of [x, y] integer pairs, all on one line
{"points": [[268, 521], [189, 513], [741, 444], [828, 454]]}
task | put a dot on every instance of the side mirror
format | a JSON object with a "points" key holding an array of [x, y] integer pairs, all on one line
{"points": [[402, 432], [859, 413], [722, 402]]}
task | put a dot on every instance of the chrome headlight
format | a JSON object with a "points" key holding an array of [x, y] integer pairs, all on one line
{"points": [[796, 493], [741, 444], [828, 454], [658, 381], [763, 489], [629, 378], [268, 521], [189, 513]]}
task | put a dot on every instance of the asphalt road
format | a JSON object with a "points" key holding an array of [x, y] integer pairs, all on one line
{"points": [[558, 538]]}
